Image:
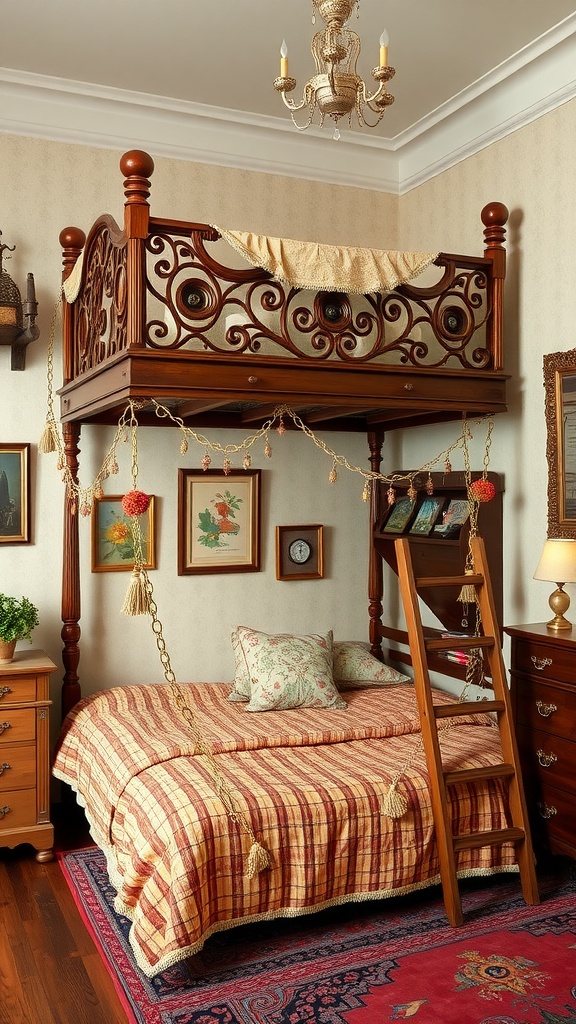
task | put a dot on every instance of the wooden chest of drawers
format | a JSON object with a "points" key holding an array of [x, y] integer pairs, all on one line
{"points": [[25, 753], [543, 692]]}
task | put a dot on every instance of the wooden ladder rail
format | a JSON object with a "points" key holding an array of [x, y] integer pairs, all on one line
{"points": [[448, 844]]}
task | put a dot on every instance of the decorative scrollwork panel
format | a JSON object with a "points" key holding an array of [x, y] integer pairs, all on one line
{"points": [[198, 303]]}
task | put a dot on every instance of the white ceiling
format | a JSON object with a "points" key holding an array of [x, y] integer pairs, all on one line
{"points": [[193, 78]]}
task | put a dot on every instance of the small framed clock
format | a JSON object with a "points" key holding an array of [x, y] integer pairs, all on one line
{"points": [[299, 552]]}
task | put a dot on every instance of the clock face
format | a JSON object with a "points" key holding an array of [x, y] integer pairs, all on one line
{"points": [[299, 551]]}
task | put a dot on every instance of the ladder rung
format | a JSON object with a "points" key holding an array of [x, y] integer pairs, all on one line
{"points": [[459, 643], [493, 838], [449, 581], [489, 771], [468, 707]]}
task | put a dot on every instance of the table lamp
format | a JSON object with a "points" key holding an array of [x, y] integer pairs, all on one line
{"points": [[558, 562]]}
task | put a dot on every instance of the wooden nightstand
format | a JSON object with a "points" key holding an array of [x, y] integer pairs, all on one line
{"points": [[543, 693], [25, 753]]}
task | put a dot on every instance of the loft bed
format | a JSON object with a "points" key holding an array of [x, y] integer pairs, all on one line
{"points": [[146, 324], [164, 311]]}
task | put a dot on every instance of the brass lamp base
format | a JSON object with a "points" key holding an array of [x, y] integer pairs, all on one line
{"points": [[559, 602]]}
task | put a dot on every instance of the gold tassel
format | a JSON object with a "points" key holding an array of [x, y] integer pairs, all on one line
{"points": [[47, 442], [258, 860], [468, 593], [394, 804], [136, 601]]}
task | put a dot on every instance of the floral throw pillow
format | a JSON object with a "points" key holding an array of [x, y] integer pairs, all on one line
{"points": [[355, 667], [241, 687], [288, 671]]}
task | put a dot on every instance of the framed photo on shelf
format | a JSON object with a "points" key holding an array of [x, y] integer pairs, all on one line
{"points": [[452, 520], [218, 521], [112, 541], [399, 515], [14, 493], [299, 552], [426, 516]]}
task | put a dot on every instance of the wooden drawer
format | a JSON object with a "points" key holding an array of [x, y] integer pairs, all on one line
{"points": [[18, 690], [537, 658], [548, 758], [17, 726], [553, 812], [22, 809], [18, 767], [546, 707]]}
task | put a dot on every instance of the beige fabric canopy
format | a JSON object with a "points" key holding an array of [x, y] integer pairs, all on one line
{"points": [[328, 267]]}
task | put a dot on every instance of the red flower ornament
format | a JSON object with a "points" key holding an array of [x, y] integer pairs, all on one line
{"points": [[482, 490], [135, 503]]}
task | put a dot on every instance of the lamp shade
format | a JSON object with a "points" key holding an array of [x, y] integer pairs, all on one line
{"points": [[558, 561]]}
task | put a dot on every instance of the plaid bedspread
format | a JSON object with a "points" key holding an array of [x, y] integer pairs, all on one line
{"points": [[310, 782]]}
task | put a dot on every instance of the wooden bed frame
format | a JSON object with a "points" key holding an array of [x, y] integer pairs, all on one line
{"points": [[156, 271]]}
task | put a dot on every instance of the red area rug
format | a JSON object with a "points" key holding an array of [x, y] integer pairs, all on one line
{"points": [[360, 964]]}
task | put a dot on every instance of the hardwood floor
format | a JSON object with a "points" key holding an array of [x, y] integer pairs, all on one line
{"points": [[50, 970]]}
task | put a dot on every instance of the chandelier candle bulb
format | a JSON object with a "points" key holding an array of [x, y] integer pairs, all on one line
{"points": [[384, 39], [283, 60]]}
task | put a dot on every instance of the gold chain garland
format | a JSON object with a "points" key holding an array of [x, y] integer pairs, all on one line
{"points": [[258, 857]]}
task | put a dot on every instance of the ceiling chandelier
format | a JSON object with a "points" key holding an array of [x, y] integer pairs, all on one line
{"points": [[336, 90]]}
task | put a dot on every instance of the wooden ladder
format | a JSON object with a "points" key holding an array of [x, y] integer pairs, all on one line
{"points": [[519, 831]]}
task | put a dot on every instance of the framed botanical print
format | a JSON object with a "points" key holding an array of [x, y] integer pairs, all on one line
{"points": [[14, 493], [218, 521], [112, 540]]}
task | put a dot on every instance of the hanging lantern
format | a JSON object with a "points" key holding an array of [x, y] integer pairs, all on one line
{"points": [[13, 313]]}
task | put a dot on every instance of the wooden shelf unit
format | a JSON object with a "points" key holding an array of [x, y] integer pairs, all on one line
{"points": [[443, 556]]}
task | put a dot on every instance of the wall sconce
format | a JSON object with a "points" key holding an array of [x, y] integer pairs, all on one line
{"points": [[558, 562], [13, 313]]}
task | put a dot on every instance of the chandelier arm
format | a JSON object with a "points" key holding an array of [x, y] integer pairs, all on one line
{"points": [[294, 106], [362, 120]]}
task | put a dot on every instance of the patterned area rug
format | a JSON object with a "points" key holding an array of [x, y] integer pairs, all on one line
{"points": [[360, 964]]}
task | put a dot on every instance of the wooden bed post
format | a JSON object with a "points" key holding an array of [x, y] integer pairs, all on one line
{"points": [[72, 241], [375, 573], [137, 167], [494, 217], [71, 578]]}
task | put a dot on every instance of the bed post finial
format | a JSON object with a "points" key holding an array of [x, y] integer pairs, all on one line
{"points": [[137, 166], [72, 241], [494, 217]]}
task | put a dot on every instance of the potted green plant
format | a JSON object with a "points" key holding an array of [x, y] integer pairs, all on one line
{"points": [[17, 620]]}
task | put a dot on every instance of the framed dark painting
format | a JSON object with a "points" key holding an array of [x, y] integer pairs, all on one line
{"points": [[14, 493]]}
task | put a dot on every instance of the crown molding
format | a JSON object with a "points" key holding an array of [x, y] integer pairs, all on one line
{"points": [[531, 83]]}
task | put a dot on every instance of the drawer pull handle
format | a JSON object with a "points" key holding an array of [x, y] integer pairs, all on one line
{"points": [[3, 726], [545, 811], [4, 810], [4, 767], [545, 709], [252, 379], [545, 759], [540, 663], [4, 690]]}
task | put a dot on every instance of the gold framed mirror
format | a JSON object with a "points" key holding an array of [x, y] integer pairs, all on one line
{"points": [[560, 409]]}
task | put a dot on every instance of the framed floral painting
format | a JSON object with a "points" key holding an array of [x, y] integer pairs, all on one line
{"points": [[14, 493], [112, 541], [218, 521]]}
